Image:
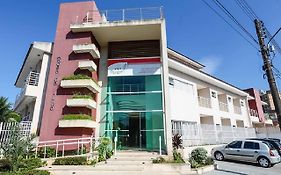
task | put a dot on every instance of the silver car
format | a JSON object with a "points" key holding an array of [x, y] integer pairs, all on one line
{"points": [[248, 150]]}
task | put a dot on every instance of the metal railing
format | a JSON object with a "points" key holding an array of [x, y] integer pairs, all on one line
{"points": [[32, 79], [223, 107], [6, 129], [60, 146], [212, 134], [121, 15], [237, 110], [254, 113], [204, 102]]}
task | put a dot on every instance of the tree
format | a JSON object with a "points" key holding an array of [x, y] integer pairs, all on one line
{"points": [[6, 112], [17, 147]]}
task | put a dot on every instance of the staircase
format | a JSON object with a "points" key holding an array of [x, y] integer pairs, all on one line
{"points": [[124, 163]]}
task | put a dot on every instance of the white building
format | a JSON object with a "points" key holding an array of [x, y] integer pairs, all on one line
{"points": [[205, 109], [32, 79]]}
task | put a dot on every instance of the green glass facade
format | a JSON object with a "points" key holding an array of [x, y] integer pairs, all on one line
{"points": [[135, 112]]}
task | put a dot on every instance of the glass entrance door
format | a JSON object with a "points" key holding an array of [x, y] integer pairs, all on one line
{"points": [[137, 130]]}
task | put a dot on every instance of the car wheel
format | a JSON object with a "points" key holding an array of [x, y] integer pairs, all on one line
{"points": [[219, 156], [264, 162]]}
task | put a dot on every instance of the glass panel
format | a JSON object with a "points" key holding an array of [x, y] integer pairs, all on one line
{"points": [[135, 102], [134, 83]]}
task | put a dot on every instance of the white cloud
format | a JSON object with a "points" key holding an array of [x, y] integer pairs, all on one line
{"points": [[212, 64]]}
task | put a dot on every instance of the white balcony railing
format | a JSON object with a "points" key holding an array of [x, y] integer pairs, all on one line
{"points": [[223, 107], [204, 102], [121, 15], [32, 79], [237, 110]]}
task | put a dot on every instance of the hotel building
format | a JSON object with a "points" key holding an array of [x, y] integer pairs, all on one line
{"points": [[110, 73]]}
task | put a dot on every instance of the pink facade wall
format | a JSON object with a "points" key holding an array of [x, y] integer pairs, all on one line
{"points": [[55, 102], [256, 104]]}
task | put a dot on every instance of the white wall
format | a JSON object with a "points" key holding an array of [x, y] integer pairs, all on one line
{"points": [[184, 104], [183, 100]]}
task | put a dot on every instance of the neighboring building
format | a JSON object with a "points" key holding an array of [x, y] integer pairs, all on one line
{"points": [[256, 107], [32, 80], [129, 85], [269, 110]]}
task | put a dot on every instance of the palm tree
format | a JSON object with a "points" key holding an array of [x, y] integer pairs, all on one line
{"points": [[6, 112], [5, 109]]}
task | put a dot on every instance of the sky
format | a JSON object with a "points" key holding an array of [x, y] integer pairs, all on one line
{"points": [[192, 29]]}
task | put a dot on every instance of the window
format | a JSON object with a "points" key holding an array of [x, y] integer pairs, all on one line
{"points": [[171, 82], [214, 94], [251, 145], [235, 144]]}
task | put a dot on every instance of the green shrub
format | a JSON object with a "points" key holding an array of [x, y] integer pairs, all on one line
{"points": [[50, 152], [76, 96], [76, 117], [29, 164], [159, 160], [177, 157], [199, 158], [72, 161], [76, 77], [5, 165], [27, 172], [104, 149]]}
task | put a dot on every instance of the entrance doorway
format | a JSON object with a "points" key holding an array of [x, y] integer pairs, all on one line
{"points": [[136, 130]]}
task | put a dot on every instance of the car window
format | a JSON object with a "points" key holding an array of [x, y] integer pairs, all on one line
{"points": [[269, 145], [235, 144], [251, 145]]}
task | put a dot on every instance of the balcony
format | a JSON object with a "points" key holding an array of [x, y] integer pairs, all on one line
{"points": [[204, 102], [30, 88], [121, 25], [237, 110], [81, 83], [120, 15], [77, 121], [223, 107], [87, 48], [76, 102], [77, 124], [89, 65]]}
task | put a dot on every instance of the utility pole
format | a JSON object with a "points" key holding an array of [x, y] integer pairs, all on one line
{"points": [[267, 67]]}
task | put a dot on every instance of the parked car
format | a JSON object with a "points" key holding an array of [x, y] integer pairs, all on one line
{"points": [[274, 142], [256, 151]]}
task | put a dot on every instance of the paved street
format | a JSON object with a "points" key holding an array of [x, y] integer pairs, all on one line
{"points": [[239, 168]]}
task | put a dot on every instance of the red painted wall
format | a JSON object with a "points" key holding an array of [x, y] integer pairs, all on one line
{"points": [[256, 104], [55, 95]]}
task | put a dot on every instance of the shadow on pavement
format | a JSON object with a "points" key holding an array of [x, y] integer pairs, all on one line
{"points": [[241, 162], [228, 171]]}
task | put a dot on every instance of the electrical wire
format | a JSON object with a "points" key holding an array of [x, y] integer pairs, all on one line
{"points": [[230, 25], [227, 12]]}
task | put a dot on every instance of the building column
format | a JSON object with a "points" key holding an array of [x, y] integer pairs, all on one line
{"points": [[165, 91]]}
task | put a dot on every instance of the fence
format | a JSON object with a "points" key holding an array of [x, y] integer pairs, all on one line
{"points": [[210, 134], [123, 15], [270, 132], [6, 129], [204, 102]]}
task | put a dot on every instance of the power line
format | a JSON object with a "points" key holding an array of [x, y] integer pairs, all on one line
{"points": [[227, 12], [230, 25], [245, 9]]}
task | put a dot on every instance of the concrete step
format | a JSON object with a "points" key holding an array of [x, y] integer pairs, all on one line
{"points": [[113, 167], [128, 162], [132, 158], [110, 173]]}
